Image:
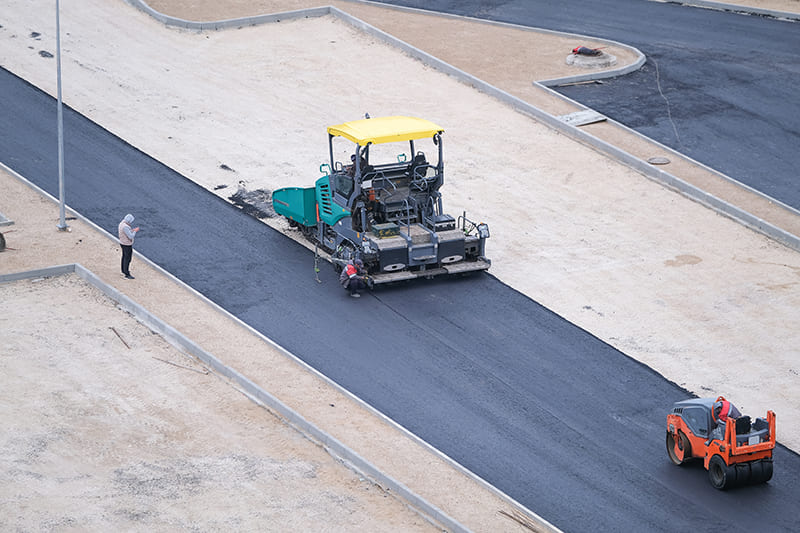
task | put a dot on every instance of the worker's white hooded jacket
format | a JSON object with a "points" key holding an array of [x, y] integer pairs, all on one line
{"points": [[126, 233]]}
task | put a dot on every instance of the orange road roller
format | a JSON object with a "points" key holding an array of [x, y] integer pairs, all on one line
{"points": [[736, 450]]}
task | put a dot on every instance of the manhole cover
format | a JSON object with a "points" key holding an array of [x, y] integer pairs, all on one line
{"points": [[658, 160]]}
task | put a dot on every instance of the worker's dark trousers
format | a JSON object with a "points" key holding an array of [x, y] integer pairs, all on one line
{"points": [[356, 285], [127, 254]]}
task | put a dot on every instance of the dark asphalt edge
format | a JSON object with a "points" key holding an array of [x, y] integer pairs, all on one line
{"points": [[736, 8], [330, 444]]}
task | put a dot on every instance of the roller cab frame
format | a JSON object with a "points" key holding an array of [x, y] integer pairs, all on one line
{"points": [[736, 453], [379, 201]]}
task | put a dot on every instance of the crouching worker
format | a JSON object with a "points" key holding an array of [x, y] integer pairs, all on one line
{"points": [[352, 277]]}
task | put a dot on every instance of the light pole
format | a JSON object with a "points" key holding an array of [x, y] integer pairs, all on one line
{"points": [[62, 223]]}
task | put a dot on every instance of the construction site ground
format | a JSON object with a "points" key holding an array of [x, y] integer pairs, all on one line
{"points": [[108, 426]]}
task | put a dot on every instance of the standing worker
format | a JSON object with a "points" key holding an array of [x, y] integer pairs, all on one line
{"points": [[352, 277], [126, 236]]}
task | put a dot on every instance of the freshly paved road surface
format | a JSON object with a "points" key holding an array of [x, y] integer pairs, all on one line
{"points": [[719, 87], [554, 417]]}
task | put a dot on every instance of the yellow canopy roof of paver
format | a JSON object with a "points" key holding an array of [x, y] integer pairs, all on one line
{"points": [[385, 129]]}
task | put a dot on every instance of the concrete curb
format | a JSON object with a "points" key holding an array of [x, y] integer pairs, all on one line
{"points": [[747, 10], [333, 446], [58, 270], [229, 23]]}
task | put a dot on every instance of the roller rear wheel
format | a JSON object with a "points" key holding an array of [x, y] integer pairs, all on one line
{"points": [[766, 472], [760, 471], [721, 475]]}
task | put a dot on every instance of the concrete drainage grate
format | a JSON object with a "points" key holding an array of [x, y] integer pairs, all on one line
{"points": [[602, 60]]}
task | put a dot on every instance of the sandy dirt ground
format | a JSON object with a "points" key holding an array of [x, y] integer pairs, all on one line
{"points": [[102, 431], [699, 298]]}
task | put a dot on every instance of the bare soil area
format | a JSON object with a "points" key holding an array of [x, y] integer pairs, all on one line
{"points": [[106, 426]]}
